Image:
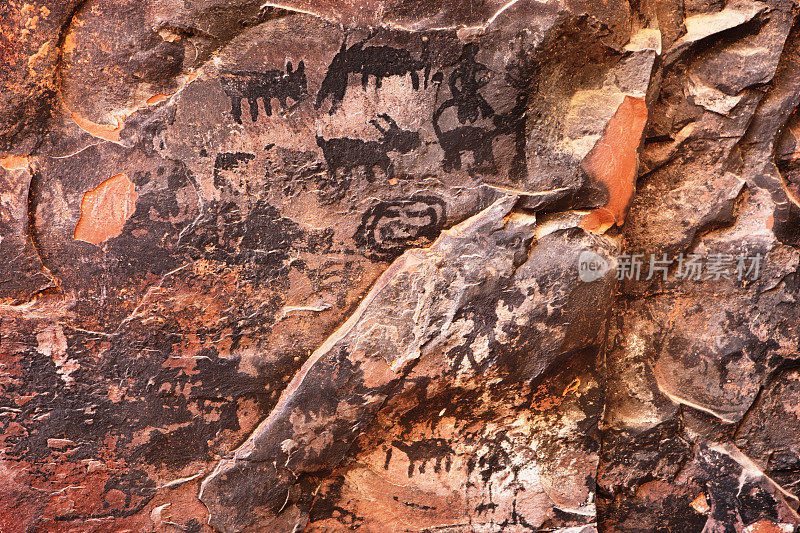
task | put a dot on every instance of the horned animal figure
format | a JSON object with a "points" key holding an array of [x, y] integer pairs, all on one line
{"points": [[252, 86], [378, 61], [348, 154]]}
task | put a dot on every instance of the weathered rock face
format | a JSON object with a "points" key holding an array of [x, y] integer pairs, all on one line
{"points": [[399, 266]]}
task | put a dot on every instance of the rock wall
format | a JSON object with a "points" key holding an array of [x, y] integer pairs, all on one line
{"points": [[399, 265]]}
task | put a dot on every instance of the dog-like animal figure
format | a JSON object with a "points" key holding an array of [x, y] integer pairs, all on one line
{"points": [[251, 86]]}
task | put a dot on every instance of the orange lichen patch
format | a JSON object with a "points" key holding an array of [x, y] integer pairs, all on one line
{"points": [[613, 162], [572, 387], [41, 54], [158, 98], [543, 400], [767, 526], [70, 44], [700, 504], [169, 35], [190, 78], [111, 132], [14, 162], [59, 444], [105, 209], [599, 220], [101, 131]]}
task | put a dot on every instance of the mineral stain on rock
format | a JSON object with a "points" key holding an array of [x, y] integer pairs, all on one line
{"points": [[105, 209], [101, 131], [613, 163], [14, 162]]}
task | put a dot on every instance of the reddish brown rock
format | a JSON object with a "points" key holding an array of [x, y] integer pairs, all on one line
{"points": [[324, 266]]}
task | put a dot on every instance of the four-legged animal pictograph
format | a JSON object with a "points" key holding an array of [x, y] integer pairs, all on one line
{"points": [[466, 80], [251, 86], [380, 61], [348, 154]]}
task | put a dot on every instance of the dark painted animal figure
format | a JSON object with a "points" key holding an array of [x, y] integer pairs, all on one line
{"points": [[479, 140], [252, 86], [348, 154], [465, 139], [378, 61]]}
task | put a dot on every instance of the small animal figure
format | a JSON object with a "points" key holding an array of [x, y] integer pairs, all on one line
{"points": [[465, 139], [378, 61], [348, 154], [479, 140], [252, 86]]}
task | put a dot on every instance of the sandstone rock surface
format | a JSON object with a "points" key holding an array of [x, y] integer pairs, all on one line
{"points": [[399, 265]]}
